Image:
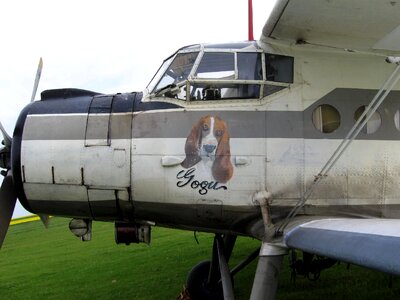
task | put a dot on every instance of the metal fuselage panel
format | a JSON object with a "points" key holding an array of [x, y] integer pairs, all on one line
{"points": [[135, 162], [75, 156]]}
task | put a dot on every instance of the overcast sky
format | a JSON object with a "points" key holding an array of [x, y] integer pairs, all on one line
{"points": [[105, 46]]}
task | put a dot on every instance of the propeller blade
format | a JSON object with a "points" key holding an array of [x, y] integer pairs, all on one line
{"points": [[37, 79], [7, 138], [8, 198], [45, 220]]}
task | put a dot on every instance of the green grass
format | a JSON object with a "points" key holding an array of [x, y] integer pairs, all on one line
{"points": [[53, 264]]}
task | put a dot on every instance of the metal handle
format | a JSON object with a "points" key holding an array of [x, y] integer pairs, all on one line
{"points": [[171, 161]]}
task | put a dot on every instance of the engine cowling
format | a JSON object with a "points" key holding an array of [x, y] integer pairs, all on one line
{"points": [[71, 154]]}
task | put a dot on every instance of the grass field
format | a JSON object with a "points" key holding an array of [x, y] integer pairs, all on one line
{"points": [[53, 264]]}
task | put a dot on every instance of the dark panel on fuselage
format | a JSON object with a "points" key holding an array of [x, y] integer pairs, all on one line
{"points": [[347, 101], [122, 103], [78, 105], [57, 94]]}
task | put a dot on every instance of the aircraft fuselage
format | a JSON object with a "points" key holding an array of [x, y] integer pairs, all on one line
{"points": [[196, 154]]}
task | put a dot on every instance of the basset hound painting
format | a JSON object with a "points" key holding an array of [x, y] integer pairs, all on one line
{"points": [[207, 148]]}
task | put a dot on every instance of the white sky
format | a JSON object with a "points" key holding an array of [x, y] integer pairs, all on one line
{"points": [[105, 46]]}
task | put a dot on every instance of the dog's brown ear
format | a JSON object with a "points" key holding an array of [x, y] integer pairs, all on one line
{"points": [[222, 168], [192, 146]]}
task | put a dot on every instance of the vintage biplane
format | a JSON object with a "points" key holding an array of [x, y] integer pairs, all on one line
{"points": [[293, 139]]}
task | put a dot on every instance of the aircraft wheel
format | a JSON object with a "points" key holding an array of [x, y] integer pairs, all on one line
{"points": [[197, 283]]}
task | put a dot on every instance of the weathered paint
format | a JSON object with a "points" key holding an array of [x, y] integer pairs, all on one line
{"points": [[107, 163]]}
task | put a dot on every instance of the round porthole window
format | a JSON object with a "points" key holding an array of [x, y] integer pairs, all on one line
{"points": [[373, 123], [326, 118]]}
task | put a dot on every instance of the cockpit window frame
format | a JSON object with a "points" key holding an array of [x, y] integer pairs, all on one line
{"points": [[186, 49], [266, 87]]}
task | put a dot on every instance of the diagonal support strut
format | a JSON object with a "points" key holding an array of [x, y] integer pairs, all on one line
{"points": [[353, 133]]}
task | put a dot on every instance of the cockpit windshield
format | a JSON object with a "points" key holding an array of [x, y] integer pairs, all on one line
{"points": [[226, 71], [177, 71]]}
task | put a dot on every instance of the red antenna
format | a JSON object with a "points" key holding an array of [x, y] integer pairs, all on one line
{"points": [[251, 37]]}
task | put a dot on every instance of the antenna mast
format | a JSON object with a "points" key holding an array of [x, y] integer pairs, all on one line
{"points": [[250, 19]]}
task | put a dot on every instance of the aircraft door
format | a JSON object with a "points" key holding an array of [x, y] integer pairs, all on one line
{"points": [[204, 161], [248, 153], [285, 154], [98, 121]]}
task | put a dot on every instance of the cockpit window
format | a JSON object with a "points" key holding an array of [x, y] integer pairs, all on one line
{"points": [[249, 66], [279, 68], [156, 78], [217, 72], [218, 91], [178, 70], [221, 66], [216, 65]]}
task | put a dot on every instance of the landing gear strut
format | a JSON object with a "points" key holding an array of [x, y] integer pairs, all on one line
{"points": [[269, 265], [212, 279]]}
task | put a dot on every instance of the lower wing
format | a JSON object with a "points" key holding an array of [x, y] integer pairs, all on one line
{"points": [[372, 243]]}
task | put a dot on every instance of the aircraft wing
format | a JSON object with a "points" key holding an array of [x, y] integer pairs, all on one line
{"points": [[372, 26], [372, 243]]}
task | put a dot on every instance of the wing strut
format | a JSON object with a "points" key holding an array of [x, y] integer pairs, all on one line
{"points": [[353, 133]]}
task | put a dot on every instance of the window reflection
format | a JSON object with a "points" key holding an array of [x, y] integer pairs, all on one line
{"points": [[217, 66], [279, 68], [178, 71], [326, 118], [373, 123], [249, 66]]}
